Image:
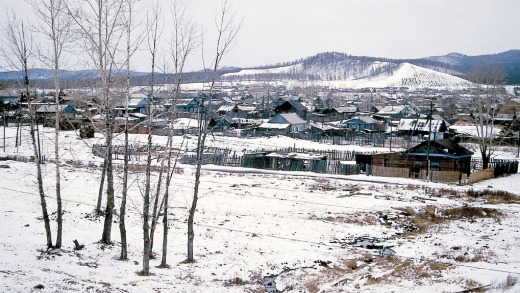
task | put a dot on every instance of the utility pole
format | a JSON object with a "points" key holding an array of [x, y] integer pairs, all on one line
{"points": [[4, 118], [429, 134]]}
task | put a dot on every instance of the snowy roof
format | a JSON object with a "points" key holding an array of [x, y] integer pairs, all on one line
{"points": [[225, 108], [366, 119], [268, 125], [348, 109], [291, 118], [389, 110], [53, 108], [420, 125]]}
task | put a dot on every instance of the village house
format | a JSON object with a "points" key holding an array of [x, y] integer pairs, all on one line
{"points": [[401, 111], [362, 124], [437, 160], [288, 124], [47, 114], [436, 127], [291, 106]]}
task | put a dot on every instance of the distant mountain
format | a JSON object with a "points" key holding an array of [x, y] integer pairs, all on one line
{"points": [[462, 64], [48, 74], [342, 70], [332, 68], [448, 71]]}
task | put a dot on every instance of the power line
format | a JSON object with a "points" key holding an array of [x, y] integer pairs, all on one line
{"points": [[292, 239]]}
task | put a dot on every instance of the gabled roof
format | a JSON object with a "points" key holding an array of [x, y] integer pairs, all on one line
{"points": [[348, 109], [422, 125], [295, 104], [392, 110], [291, 118], [324, 127], [366, 119], [268, 125], [439, 148], [226, 108], [54, 108]]}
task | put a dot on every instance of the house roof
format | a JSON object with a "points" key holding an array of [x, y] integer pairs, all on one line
{"points": [[421, 125], [268, 125], [324, 127], [53, 108], [291, 118], [296, 105], [136, 102], [392, 110], [225, 108], [439, 148], [348, 109], [366, 119]]}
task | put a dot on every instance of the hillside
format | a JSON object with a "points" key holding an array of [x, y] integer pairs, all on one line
{"points": [[333, 68], [342, 70]]}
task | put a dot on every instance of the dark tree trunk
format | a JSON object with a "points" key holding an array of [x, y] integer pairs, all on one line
{"points": [[101, 186]]}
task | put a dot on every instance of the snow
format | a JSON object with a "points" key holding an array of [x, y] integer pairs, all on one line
{"points": [[250, 224], [357, 74], [477, 131]]}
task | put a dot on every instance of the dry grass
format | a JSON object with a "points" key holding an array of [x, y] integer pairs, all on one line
{"points": [[508, 283], [396, 269], [446, 191], [351, 264], [471, 213], [357, 219], [493, 196], [312, 286], [407, 211], [235, 282], [322, 184], [412, 187], [432, 215]]}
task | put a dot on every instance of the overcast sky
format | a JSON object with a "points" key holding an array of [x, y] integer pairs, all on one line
{"points": [[276, 31]]}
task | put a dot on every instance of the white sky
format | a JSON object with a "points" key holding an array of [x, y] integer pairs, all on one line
{"points": [[285, 30]]}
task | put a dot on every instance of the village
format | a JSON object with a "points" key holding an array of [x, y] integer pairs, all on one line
{"points": [[423, 128]]}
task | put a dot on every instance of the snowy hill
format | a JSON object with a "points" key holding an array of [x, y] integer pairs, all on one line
{"points": [[341, 70]]}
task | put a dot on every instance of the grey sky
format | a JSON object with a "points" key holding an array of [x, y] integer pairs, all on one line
{"points": [[284, 30]]}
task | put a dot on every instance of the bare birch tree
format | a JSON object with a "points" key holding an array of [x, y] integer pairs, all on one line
{"points": [[153, 37], [131, 46], [99, 25], [55, 27], [183, 41], [227, 30], [18, 51], [486, 101]]}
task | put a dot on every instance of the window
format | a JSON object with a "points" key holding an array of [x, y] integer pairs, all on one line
{"points": [[387, 162], [435, 166]]}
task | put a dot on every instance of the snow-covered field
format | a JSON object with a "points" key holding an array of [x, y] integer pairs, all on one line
{"points": [[298, 227]]}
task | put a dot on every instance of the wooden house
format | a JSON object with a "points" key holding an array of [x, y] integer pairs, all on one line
{"points": [[421, 127], [8, 99], [47, 114], [400, 111], [439, 160], [296, 123], [190, 105], [291, 106], [362, 124], [284, 161]]}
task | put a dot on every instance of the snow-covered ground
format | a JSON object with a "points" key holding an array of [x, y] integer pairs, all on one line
{"points": [[250, 224]]}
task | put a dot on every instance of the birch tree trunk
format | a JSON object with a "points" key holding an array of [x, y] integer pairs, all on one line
{"points": [[18, 50], [227, 31]]}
